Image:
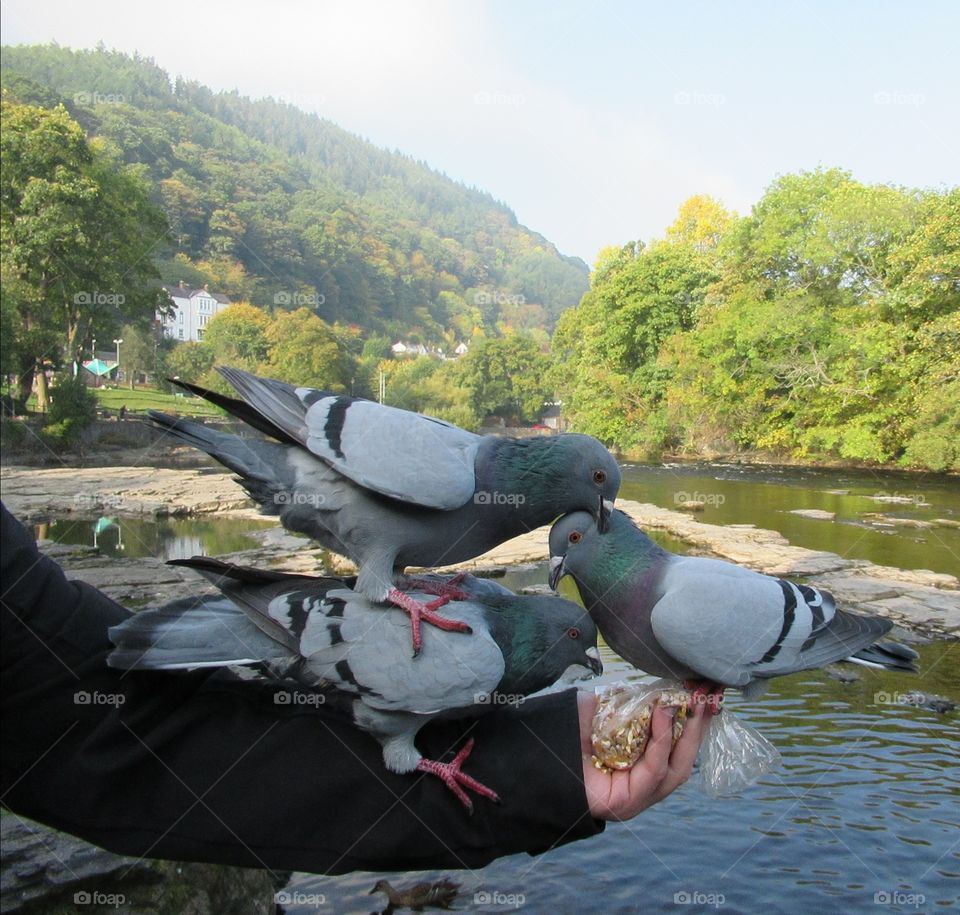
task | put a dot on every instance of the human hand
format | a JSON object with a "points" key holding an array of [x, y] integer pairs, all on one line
{"points": [[622, 794]]}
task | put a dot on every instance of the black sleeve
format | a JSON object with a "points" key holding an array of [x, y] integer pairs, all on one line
{"points": [[185, 767]]}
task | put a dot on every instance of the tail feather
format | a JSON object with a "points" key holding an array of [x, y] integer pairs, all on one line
{"points": [[188, 633], [258, 463], [272, 399], [238, 408], [887, 655], [846, 634]]}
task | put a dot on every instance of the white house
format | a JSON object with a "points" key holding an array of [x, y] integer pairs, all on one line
{"points": [[193, 309]]}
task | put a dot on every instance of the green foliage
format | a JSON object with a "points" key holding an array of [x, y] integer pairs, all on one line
{"points": [[825, 323], [505, 376], [73, 407], [305, 350], [188, 361], [76, 233]]}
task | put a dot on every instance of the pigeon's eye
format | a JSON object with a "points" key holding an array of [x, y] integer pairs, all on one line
{"points": [[599, 477], [573, 633], [575, 537]]}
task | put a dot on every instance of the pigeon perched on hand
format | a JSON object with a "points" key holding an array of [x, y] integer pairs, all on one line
{"points": [[691, 618], [319, 633], [389, 488]]}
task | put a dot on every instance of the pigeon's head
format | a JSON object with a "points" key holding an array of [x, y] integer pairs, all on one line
{"points": [[550, 636], [592, 475], [574, 542]]}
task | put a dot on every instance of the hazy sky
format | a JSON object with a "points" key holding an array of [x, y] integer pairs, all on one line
{"points": [[593, 121]]}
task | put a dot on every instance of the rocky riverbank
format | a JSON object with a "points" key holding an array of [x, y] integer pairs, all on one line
{"points": [[922, 600]]}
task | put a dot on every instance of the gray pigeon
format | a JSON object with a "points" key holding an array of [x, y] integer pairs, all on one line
{"points": [[699, 619], [321, 634], [389, 488]]}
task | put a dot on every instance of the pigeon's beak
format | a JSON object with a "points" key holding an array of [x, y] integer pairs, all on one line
{"points": [[603, 514], [596, 665], [556, 571]]}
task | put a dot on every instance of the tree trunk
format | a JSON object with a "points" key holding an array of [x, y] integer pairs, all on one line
{"points": [[43, 395], [24, 387]]}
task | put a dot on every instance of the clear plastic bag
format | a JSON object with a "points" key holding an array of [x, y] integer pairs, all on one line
{"points": [[733, 755]]}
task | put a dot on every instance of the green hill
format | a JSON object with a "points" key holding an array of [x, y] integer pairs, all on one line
{"points": [[279, 207]]}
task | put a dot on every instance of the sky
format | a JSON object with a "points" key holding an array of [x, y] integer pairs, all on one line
{"points": [[593, 121]]}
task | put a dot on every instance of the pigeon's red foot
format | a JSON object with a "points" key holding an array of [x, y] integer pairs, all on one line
{"points": [[452, 776], [707, 692], [425, 613], [446, 589]]}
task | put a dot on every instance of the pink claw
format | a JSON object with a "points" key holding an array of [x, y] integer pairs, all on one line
{"points": [[707, 692], [425, 613], [446, 589], [452, 776]]}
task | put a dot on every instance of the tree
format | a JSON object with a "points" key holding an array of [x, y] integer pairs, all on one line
{"points": [[77, 236], [305, 350], [237, 336], [138, 353], [506, 376], [189, 361]]}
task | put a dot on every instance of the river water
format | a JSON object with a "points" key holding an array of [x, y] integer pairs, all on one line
{"points": [[864, 813]]}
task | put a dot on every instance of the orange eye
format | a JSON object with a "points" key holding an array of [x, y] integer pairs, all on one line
{"points": [[575, 537], [573, 633], [599, 477]]}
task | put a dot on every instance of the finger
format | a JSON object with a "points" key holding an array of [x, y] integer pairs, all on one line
{"points": [[685, 751], [654, 764]]}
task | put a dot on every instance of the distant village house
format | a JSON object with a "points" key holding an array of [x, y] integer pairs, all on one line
{"points": [[192, 311]]}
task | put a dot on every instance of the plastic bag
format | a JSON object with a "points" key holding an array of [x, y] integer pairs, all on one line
{"points": [[732, 756]]}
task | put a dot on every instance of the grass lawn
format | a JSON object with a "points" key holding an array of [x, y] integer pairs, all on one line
{"points": [[144, 398]]}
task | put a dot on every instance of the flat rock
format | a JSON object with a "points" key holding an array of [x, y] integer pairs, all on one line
{"points": [[817, 514]]}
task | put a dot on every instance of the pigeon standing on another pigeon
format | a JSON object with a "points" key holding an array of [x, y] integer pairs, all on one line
{"points": [[691, 618], [319, 633], [389, 488]]}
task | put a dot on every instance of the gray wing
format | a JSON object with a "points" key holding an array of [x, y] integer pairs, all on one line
{"points": [[363, 648], [397, 453], [190, 633], [733, 625]]}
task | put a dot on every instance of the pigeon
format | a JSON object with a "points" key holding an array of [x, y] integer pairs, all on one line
{"points": [[388, 488], [321, 634], [705, 620]]}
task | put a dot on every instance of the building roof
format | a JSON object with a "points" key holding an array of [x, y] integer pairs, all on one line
{"points": [[182, 291]]}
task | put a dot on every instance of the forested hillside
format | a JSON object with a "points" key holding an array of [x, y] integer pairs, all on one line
{"points": [[278, 207]]}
